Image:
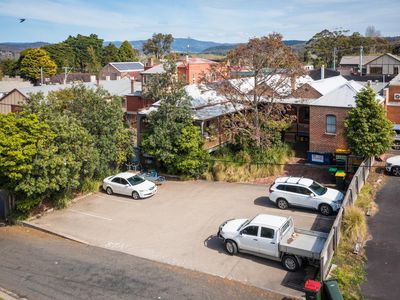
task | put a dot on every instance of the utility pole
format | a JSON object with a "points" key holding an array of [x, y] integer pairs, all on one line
{"points": [[67, 70], [334, 58], [361, 60], [41, 75]]}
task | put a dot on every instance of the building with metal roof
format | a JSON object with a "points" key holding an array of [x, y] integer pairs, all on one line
{"points": [[118, 70]]}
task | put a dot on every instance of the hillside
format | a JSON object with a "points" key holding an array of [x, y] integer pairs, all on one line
{"points": [[12, 50], [225, 48]]}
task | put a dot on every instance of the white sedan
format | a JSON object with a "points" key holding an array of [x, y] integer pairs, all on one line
{"points": [[129, 184]]}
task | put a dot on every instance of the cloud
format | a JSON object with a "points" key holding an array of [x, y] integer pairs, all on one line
{"points": [[69, 12]]}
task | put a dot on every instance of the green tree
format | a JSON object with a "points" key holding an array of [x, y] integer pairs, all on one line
{"points": [[368, 131], [87, 50], [159, 45], [172, 138], [110, 54], [127, 53], [9, 67], [26, 152], [62, 54], [35, 60], [101, 115]]}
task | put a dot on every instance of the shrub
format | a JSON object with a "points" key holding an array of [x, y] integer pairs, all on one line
{"points": [[90, 186]]}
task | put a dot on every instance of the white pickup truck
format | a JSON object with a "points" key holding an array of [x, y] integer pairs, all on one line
{"points": [[275, 238]]}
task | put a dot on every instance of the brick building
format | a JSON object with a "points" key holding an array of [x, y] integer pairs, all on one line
{"points": [[118, 70], [392, 100]]}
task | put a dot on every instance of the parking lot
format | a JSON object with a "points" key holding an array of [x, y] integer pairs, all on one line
{"points": [[177, 226]]}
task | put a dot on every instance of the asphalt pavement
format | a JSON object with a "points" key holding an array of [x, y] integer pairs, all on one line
{"points": [[383, 250], [37, 265]]}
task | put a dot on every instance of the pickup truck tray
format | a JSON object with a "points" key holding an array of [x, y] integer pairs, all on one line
{"points": [[305, 243]]}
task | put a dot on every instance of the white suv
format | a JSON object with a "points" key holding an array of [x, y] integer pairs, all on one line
{"points": [[304, 192], [393, 165]]}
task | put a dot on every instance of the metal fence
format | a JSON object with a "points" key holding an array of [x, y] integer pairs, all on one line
{"points": [[332, 242]]}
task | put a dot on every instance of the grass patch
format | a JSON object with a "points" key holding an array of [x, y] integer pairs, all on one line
{"points": [[350, 271], [245, 165]]}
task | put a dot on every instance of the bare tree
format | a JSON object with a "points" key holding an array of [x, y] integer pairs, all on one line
{"points": [[271, 69], [372, 32]]}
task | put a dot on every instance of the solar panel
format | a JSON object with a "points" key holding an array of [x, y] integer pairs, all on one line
{"points": [[127, 66]]}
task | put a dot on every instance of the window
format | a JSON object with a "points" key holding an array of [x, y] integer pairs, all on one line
{"points": [[250, 230], [375, 70], [280, 187], [116, 180], [267, 233], [318, 188], [135, 180], [395, 70], [304, 114], [291, 188], [285, 227], [331, 124], [303, 191], [123, 181]]}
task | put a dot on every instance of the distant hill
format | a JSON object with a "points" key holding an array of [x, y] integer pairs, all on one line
{"points": [[12, 50], [225, 48], [179, 44]]}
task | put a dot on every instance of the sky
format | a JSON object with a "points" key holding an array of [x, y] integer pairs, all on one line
{"points": [[228, 21]]}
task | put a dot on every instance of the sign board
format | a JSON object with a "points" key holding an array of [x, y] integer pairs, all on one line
{"points": [[317, 158]]}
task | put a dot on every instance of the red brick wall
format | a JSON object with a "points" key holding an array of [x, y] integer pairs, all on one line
{"points": [[134, 103], [393, 113], [320, 141], [198, 70]]}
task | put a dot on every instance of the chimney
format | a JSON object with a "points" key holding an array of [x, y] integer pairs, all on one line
{"points": [[132, 85], [322, 72], [187, 59], [293, 83], [150, 62], [93, 78]]}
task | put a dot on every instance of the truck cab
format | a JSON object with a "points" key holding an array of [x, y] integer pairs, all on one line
{"points": [[272, 237]]}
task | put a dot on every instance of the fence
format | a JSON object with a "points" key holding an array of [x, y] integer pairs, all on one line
{"points": [[333, 239]]}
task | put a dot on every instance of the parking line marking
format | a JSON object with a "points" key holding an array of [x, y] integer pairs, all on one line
{"points": [[115, 199], [90, 215]]}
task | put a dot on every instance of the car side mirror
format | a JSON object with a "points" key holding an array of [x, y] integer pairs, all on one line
{"points": [[312, 195]]}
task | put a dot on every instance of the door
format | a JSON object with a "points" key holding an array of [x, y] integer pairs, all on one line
{"points": [[267, 243], [116, 185], [248, 238], [293, 195], [305, 199], [125, 187]]}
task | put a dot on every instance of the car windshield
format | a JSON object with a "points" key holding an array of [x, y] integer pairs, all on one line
{"points": [[244, 224], [135, 180], [317, 188]]}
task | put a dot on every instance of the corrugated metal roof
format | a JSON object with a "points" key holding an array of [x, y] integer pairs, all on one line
{"points": [[114, 87], [128, 66], [355, 59], [324, 86], [8, 85], [343, 96], [158, 69]]}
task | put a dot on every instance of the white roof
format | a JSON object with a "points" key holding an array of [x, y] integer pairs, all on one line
{"points": [[125, 175], [119, 87], [296, 180], [269, 220], [324, 86], [158, 69], [343, 96]]}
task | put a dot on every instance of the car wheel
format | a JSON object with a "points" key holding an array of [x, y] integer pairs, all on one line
{"points": [[135, 195], [325, 209], [109, 190], [396, 171], [282, 203], [290, 263], [231, 247]]}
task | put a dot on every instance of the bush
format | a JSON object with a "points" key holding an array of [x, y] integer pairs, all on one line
{"points": [[90, 186], [233, 164]]}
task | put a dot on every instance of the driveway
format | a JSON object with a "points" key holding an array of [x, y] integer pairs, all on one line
{"points": [[383, 250], [178, 225]]}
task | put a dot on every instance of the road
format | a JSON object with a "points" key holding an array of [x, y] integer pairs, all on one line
{"points": [[383, 251], [36, 265]]}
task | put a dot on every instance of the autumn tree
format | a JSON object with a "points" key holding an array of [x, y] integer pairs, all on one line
{"points": [[127, 53], [257, 114], [159, 45], [35, 62], [368, 131]]}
